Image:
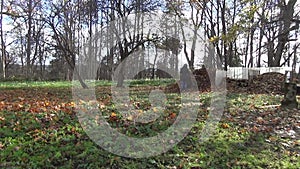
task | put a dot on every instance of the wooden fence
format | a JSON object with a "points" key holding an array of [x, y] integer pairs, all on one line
{"points": [[246, 73]]}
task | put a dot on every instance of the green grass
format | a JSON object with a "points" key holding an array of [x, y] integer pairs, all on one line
{"points": [[62, 143], [31, 84], [68, 84], [150, 82], [57, 140]]}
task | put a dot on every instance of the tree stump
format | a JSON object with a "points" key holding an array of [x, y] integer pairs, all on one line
{"points": [[290, 93]]}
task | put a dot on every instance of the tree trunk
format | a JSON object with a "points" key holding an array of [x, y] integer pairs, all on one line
{"points": [[121, 77], [2, 43], [290, 100], [28, 47], [224, 30], [287, 14], [259, 48], [83, 85], [250, 64]]}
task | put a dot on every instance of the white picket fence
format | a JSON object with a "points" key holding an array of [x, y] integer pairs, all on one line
{"points": [[246, 73]]}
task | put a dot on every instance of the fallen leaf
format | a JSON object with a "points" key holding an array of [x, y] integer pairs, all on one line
{"points": [[225, 125], [102, 106], [260, 120], [172, 115], [272, 139]]}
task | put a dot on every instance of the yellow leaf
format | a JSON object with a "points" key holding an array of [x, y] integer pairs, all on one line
{"points": [[213, 39], [72, 104], [47, 103], [225, 125], [113, 114], [130, 118]]}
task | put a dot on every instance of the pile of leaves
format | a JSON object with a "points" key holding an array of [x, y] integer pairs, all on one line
{"points": [[203, 79], [267, 83]]}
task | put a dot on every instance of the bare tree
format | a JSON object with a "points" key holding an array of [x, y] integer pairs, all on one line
{"points": [[278, 29], [3, 52], [62, 23], [122, 42]]}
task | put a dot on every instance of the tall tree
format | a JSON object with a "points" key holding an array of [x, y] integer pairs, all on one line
{"points": [[122, 42], [3, 52], [62, 21], [279, 27], [30, 7]]}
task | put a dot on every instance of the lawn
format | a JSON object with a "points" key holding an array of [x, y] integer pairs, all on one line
{"points": [[39, 129]]}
